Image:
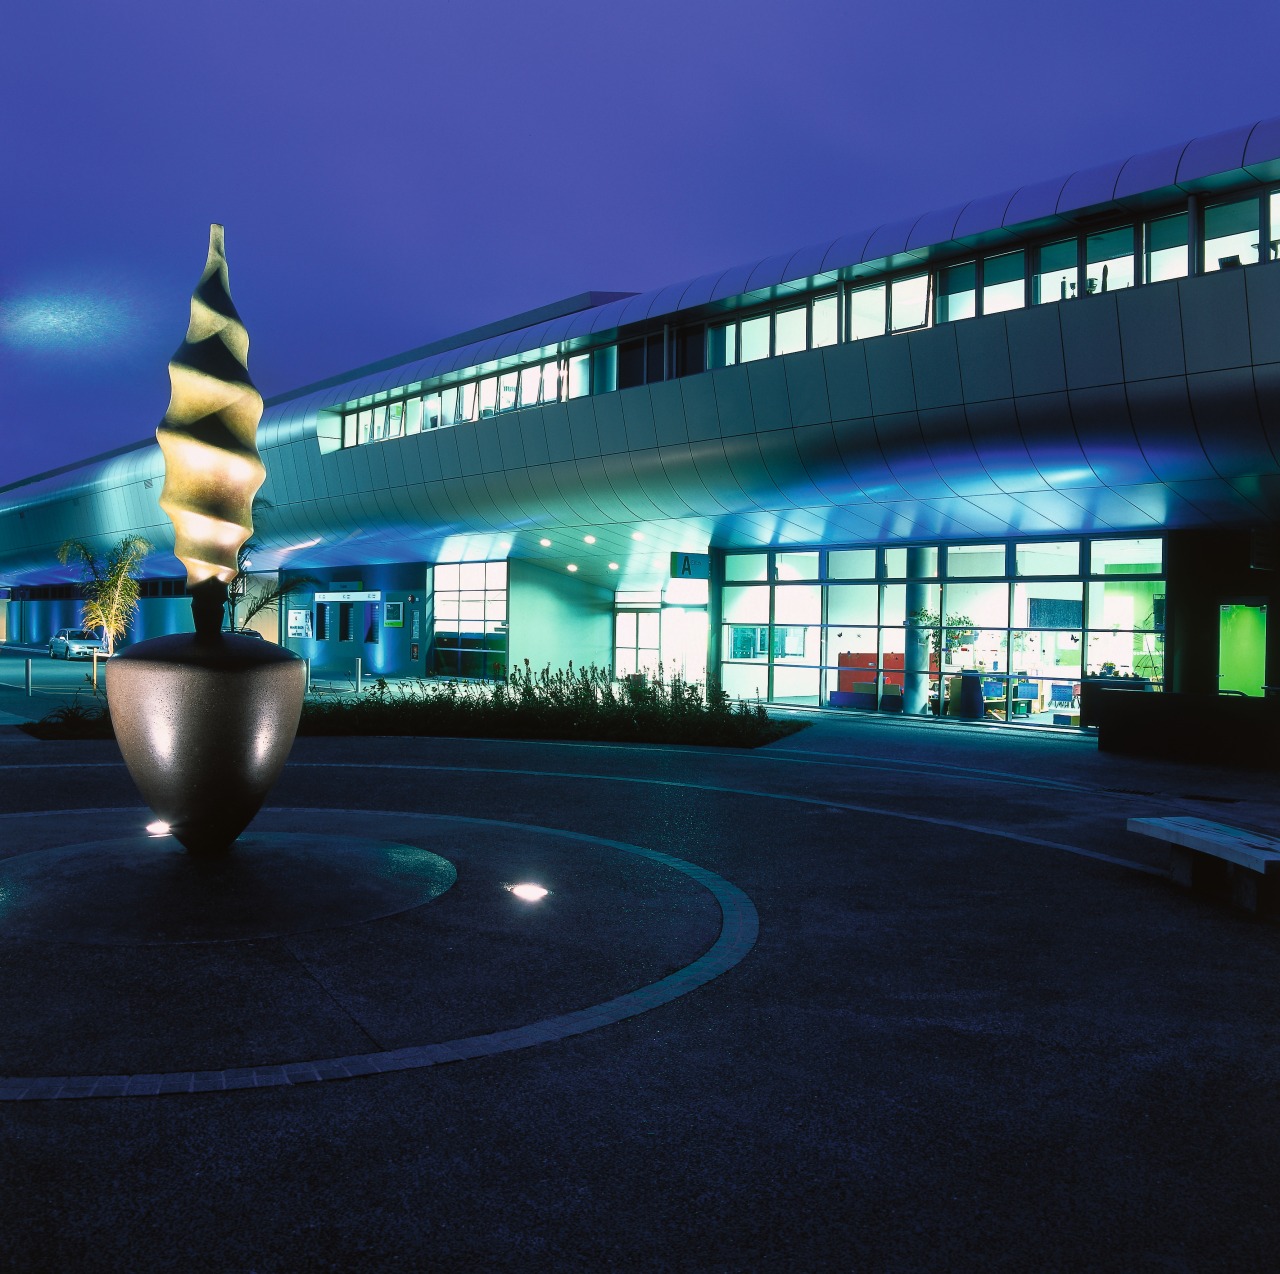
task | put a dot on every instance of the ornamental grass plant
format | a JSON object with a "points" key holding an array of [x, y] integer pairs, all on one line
{"points": [[586, 703]]}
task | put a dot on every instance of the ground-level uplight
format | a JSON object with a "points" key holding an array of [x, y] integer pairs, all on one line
{"points": [[157, 828], [528, 892]]}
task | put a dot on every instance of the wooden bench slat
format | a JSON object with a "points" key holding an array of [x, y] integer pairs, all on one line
{"points": [[1253, 850]]}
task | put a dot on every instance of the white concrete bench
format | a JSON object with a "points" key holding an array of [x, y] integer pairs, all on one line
{"points": [[1214, 858]]}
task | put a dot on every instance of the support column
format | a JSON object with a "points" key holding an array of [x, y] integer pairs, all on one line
{"points": [[922, 566]]}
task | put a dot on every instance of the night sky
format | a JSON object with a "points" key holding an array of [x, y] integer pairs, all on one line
{"points": [[393, 172]]}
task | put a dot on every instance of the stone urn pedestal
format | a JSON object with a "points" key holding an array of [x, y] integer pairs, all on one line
{"points": [[205, 724]]}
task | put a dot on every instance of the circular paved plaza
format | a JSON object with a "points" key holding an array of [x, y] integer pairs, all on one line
{"points": [[881, 996]]}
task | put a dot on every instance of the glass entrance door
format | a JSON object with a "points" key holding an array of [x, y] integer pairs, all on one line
{"points": [[684, 642], [1242, 648]]}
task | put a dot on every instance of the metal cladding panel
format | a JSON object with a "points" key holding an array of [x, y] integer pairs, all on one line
{"points": [[889, 375], [666, 301], [983, 215], [701, 415], [555, 421], [656, 486], [848, 388], [667, 404], [1226, 413], [1037, 202], [609, 425], [769, 273], [608, 316], [935, 228], [639, 307], [1262, 286], [1035, 350], [807, 387], [533, 435], [1217, 153], [1001, 448], [713, 471], [1266, 387], [1052, 444], [510, 344], [733, 282], [548, 494], [699, 290], [769, 404], [637, 420], [489, 447], [890, 239], [411, 464], [945, 431], [1021, 514], [935, 367], [687, 480], [1101, 416], [532, 511], [469, 449], [1262, 153], [733, 401], [510, 442], [1155, 170], [1110, 507], [983, 348], [751, 473], [583, 324], [863, 460], [450, 461], [816, 448], [1151, 331], [787, 470], [1217, 501], [593, 477], [846, 250], [621, 473], [1165, 429], [902, 446], [584, 440], [1091, 342], [982, 520], [806, 262], [1089, 186], [1215, 321], [1071, 514]]}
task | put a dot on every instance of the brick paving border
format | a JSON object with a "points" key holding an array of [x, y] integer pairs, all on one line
{"points": [[739, 926]]}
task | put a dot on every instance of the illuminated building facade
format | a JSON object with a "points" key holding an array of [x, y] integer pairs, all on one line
{"points": [[1035, 435]]}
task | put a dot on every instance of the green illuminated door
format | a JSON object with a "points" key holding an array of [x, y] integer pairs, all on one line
{"points": [[1242, 648]]}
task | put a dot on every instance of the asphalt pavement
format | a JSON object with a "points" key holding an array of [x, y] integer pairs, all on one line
{"points": [[886, 995]]}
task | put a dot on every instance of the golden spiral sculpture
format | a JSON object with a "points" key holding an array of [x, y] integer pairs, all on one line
{"points": [[212, 467]]}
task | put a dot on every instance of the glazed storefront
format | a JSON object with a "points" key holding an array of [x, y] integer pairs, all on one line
{"points": [[893, 628]]}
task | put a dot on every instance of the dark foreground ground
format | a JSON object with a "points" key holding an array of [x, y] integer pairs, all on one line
{"points": [[955, 1045]]}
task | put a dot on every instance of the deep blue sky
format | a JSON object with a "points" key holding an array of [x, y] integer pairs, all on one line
{"points": [[391, 172]]}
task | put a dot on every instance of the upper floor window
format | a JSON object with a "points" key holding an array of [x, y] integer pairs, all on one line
{"points": [[1231, 234]]}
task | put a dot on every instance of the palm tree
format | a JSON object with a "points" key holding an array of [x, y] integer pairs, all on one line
{"points": [[256, 595], [109, 584]]}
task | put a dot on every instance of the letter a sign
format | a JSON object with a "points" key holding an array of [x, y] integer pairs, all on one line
{"points": [[690, 566]]}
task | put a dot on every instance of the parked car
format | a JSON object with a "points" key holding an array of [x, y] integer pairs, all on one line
{"points": [[245, 632], [75, 643]]}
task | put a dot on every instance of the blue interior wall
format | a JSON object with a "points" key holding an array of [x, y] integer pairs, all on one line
{"points": [[392, 653], [35, 622]]}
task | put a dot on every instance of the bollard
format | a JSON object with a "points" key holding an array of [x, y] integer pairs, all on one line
{"points": [[307, 662], [359, 677], [30, 692], [95, 672]]}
